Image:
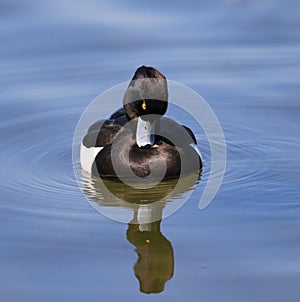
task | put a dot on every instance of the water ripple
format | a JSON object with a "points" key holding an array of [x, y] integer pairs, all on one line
{"points": [[36, 161]]}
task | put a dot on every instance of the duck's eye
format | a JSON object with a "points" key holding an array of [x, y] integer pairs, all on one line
{"points": [[144, 105]]}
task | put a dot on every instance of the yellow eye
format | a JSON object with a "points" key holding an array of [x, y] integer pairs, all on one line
{"points": [[144, 105]]}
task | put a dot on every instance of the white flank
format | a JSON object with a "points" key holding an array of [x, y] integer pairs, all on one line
{"points": [[87, 157]]}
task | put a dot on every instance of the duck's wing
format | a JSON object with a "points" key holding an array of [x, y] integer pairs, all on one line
{"points": [[102, 137], [119, 113], [102, 132], [99, 135], [176, 133], [191, 133]]}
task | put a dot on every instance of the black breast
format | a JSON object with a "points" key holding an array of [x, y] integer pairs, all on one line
{"points": [[179, 159]]}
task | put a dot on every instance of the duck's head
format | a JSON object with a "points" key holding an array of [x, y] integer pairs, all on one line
{"points": [[146, 100]]}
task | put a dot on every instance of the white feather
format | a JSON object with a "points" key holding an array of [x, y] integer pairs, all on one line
{"points": [[87, 157]]}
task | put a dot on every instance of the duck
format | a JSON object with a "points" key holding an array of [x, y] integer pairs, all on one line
{"points": [[138, 140]]}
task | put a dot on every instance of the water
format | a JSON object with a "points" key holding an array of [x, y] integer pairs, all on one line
{"points": [[243, 58]]}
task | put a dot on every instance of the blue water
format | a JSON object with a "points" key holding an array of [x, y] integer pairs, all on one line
{"points": [[242, 57]]}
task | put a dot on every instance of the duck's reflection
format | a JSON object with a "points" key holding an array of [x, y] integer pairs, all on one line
{"points": [[155, 264], [144, 212]]}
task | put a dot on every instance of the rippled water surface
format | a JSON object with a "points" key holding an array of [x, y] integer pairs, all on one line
{"points": [[243, 58]]}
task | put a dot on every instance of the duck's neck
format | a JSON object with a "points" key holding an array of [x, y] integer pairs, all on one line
{"points": [[145, 132]]}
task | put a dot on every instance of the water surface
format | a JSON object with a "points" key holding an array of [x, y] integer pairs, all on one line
{"points": [[243, 58]]}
